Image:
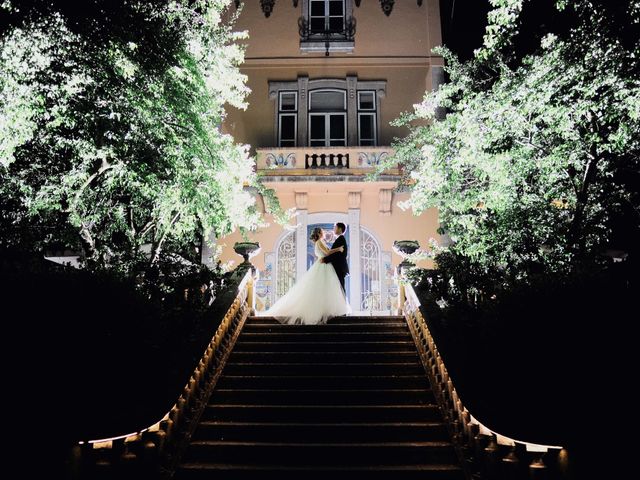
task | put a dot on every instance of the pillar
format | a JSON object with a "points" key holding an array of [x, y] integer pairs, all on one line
{"points": [[302, 216], [354, 250]]}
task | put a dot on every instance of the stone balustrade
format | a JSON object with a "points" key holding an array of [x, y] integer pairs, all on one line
{"points": [[154, 451], [322, 160], [487, 455]]}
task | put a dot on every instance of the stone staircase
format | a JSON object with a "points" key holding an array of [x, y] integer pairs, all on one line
{"points": [[309, 402]]}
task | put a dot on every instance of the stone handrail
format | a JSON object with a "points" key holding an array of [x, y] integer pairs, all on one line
{"points": [[153, 452], [344, 159], [485, 453]]}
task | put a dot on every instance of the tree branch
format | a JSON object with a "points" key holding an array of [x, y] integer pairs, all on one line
{"points": [[105, 166]]}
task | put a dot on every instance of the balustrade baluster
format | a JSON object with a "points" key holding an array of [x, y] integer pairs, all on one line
{"points": [[537, 468], [510, 465], [490, 459]]}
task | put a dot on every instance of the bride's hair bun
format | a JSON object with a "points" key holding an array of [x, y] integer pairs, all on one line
{"points": [[316, 234]]}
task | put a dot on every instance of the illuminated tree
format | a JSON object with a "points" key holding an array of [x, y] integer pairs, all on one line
{"points": [[110, 126], [537, 153]]}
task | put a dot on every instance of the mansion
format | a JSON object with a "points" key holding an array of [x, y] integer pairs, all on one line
{"points": [[327, 77]]}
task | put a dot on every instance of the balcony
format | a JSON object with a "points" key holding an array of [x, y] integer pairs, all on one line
{"points": [[318, 163], [328, 39]]}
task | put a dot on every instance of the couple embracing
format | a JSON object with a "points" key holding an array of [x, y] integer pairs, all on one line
{"points": [[319, 293]]}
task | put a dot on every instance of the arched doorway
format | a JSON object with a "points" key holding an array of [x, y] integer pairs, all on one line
{"points": [[368, 283]]}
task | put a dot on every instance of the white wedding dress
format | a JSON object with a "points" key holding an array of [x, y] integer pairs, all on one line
{"points": [[315, 297]]}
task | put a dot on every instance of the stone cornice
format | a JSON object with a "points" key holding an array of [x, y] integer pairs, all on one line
{"points": [[267, 6], [346, 61]]}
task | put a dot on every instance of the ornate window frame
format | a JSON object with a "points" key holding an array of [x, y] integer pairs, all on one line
{"points": [[303, 85], [334, 43]]}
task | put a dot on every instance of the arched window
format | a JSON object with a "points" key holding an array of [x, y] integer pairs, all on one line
{"points": [[370, 273], [286, 264]]}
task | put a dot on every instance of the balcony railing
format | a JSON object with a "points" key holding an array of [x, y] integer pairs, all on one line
{"points": [[328, 39], [322, 161]]}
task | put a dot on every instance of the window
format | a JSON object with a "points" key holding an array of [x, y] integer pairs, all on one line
{"points": [[327, 26], [327, 118], [287, 119], [326, 16], [326, 112], [366, 118]]}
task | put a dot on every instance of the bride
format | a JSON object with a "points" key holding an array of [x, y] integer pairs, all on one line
{"points": [[317, 295]]}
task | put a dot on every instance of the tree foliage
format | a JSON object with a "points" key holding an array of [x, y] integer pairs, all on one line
{"points": [[110, 117], [536, 154]]}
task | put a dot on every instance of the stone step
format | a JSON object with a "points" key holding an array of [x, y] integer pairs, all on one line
{"points": [[319, 471], [323, 381], [387, 327], [320, 336], [335, 320], [271, 453], [242, 345], [307, 368], [324, 357], [320, 397], [322, 413], [322, 432]]}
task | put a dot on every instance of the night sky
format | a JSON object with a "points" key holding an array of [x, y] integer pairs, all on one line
{"points": [[463, 24]]}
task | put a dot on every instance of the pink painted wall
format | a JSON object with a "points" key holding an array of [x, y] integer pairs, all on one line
{"points": [[332, 197]]}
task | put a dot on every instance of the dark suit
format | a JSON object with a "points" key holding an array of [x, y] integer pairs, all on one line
{"points": [[339, 260]]}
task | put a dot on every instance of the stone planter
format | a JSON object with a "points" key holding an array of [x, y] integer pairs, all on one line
{"points": [[246, 250], [405, 248]]}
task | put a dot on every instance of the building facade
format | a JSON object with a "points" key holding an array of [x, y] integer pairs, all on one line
{"points": [[327, 77]]}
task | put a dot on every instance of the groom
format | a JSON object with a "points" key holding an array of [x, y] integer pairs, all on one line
{"points": [[339, 259]]}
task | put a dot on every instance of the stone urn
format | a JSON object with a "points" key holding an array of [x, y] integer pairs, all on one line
{"points": [[246, 250], [404, 248]]}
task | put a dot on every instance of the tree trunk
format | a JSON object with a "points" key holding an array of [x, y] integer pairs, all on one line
{"points": [[576, 239], [88, 243], [157, 247]]}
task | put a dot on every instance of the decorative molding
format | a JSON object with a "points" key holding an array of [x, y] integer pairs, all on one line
{"points": [[385, 196], [354, 199], [302, 200], [371, 159], [267, 7], [387, 6], [279, 160]]}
